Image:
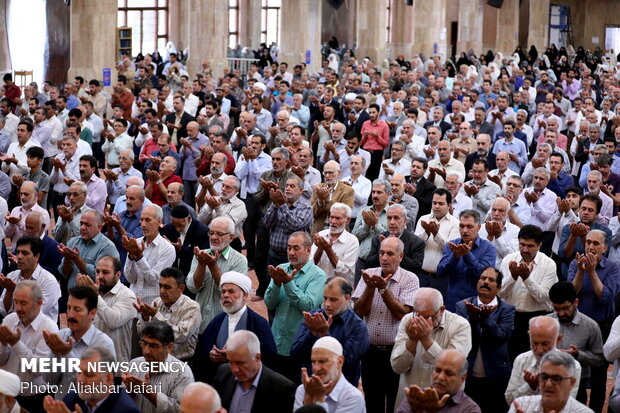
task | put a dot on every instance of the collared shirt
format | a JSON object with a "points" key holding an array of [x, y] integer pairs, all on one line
{"points": [[72, 171], [233, 319], [345, 161], [382, 138], [464, 271], [382, 325], [96, 194], [542, 210], [362, 187], [18, 152], [167, 210], [482, 201], [64, 231], [453, 332], [249, 172], [344, 398], [452, 165], [234, 208], [115, 312], [557, 223], [242, 399], [303, 293], [49, 286], [411, 206], [143, 274], [516, 147], [585, 334], [533, 404], [284, 220], [42, 134], [90, 252], [434, 245], [346, 248], [117, 188], [114, 148], [533, 293], [517, 386], [364, 233], [184, 318], [190, 154], [30, 345], [208, 295], [402, 167], [460, 203], [16, 231], [43, 182], [459, 403], [469, 144], [170, 387], [599, 309], [93, 337], [507, 243]]}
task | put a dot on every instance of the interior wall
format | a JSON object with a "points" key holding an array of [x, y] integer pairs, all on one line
{"points": [[339, 22], [489, 27], [58, 36]]}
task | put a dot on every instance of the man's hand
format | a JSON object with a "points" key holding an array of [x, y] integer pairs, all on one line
{"points": [[18, 180], [471, 190], [430, 227], [68, 253], [12, 219], [86, 281], [58, 406], [277, 197], [426, 400], [280, 276], [494, 229], [213, 201], [531, 379], [317, 324], [133, 248], [371, 218], [563, 205], [496, 179], [538, 162], [204, 258], [146, 310], [218, 355], [58, 346], [531, 197], [519, 269], [322, 243], [460, 250], [9, 337], [314, 388]]}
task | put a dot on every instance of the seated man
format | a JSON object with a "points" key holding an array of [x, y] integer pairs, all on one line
{"points": [[422, 335], [28, 251], [115, 306], [328, 387], [446, 394], [174, 308], [166, 388], [558, 380], [243, 348], [491, 320], [337, 320], [525, 378], [21, 337], [185, 232]]}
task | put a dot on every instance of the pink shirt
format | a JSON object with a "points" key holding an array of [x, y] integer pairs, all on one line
{"points": [[378, 142]]}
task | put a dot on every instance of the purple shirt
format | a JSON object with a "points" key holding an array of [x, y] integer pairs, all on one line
{"points": [[459, 403]]}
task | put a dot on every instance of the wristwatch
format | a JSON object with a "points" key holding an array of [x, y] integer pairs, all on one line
{"points": [[382, 290]]}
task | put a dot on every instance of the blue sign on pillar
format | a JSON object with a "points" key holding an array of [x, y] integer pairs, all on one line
{"points": [[308, 57], [434, 48], [107, 76]]}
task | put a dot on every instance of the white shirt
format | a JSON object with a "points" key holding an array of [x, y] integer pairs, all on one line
{"points": [[49, 286], [115, 312], [191, 104], [344, 398], [52, 146], [402, 167], [362, 187], [503, 176], [10, 125], [507, 243], [72, 171], [434, 245], [347, 249], [460, 203], [19, 152], [533, 404], [233, 319], [533, 294]]}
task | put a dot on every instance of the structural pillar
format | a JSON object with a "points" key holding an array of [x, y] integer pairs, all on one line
{"points": [[508, 27], [401, 26], [371, 32], [204, 31], [538, 33], [5, 55], [250, 16], [469, 35], [90, 53], [300, 28], [430, 32]]}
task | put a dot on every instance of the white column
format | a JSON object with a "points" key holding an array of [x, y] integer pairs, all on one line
{"points": [[430, 32], [300, 31], [469, 35]]}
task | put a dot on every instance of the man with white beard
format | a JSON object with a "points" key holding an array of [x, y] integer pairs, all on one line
{"points": [[210, 353], [335, 249]]}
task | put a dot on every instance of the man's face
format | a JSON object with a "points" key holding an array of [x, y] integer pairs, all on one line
{"points": [[174, 194], [483, 144], [4, 108], [32, 226], [89, 227], [433, 136], [528, 249], [540, 181], [86, 170], [566, 310], [192, 130], [39, 115], [440, 206], [542, 341], [106, 277], [149, 223], [396, 222], [78, 316], [502, 160], [587, 212], [326, 365], [228, 188], [232, 298], [379, 195], [446, 375], [551, 393], [243, 365], [22, 134], [134, 200], [338, 221], [417, 169], [178, 105], [334, 302], [479, 174], [278, 162], [76, 196], [169, 290], [594, 183], [218, 143], [508, 130], [373, 114], [468, 228], [452, 184], [397, 153], [26, 260], [479, 116], [443, 150], [297, 252], [398, 186], [487, 284], [464, 130], [154, 350], [389, 257], [296, 137], [593, 134], [292, 191], [27, 196], [595, 244], [26, 308], [499, 211]]}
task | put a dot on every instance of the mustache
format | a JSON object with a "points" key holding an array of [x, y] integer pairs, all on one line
{"points": [[485, 287], [71, 320]]}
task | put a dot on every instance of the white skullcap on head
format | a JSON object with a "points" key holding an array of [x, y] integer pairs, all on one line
{"points": [[261, 86], [9, 383], [329, 343], [350, 97], [241, 280]]}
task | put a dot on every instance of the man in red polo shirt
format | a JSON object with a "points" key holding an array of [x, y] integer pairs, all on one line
{"points": [[375, 138]]}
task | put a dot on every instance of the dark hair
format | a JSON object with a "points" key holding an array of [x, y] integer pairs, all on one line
{"points": [[51, 104], [212, 103], [499, 276], [29, 125], [94, 82], [413, 111], [345, 287], [575, 189], [361, 97], [179, 97], [224, 137], [35, 152], [423, 161], [151, 111], [470, 213], [77, 127], [511, 123], [263, 139], [302, 130], [63, 98], [90, 159], [159, 331], [531, 232], [175, 273], [483, 163], [557, 154], [592, 198], [374, 106], [75, 112], [121, 120], [80, 79], [36, 101], [444, 192], [36, 245], [82, 292], [561, 292]]}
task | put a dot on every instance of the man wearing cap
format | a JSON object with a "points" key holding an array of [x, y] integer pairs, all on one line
{"points": [[210, 353], [327, 386], [9, 389], [185, 232]]}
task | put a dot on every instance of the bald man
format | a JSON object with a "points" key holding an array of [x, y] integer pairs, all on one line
{"points": [[200, 398]]}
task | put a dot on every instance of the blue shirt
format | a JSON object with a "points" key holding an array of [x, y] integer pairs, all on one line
{"points": [[72, 102], [517, 147], [349, 330], [90, 252], [131, 224], [465, 271], [602, 309], [560, 184], [190, 154], [303, 293], [242, 399], [579, 247]]}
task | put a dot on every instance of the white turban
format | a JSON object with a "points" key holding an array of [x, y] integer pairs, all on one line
{"points": [[241, 280], [261, 86], [350, 97], [329, 343], [9, 383]]}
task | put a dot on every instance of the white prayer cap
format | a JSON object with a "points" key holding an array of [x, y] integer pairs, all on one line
{"points": [[329, 343], [350, 97], [241, 280], [261, 86], [9, 383]]}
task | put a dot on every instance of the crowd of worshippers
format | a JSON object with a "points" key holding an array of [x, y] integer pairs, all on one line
{"points": [[425, 237]]}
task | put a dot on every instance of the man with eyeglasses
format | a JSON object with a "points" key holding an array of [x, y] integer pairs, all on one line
{"points": [[422, 335], [157, 391], [557, 380], [544, 333], [397, 164], [68, 221]]}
